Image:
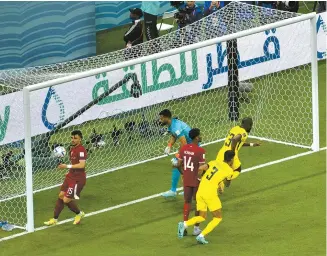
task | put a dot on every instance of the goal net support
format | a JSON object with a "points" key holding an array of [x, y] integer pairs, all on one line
{"points": [[241, 61]]}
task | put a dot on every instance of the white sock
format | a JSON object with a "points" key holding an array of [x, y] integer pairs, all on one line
{"points": [[201, 235], [196, 228], [185, 226]]}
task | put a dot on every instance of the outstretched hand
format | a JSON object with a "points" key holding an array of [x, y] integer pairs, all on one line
{"points": [[62, 166]]}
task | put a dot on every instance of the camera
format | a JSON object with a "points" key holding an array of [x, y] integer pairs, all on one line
{"points": [[183, 15]]}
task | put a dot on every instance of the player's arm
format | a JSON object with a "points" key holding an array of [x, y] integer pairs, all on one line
{"points": [[235, 140], [80, 165], [182, 141], [256, 144], [202, 170], [171, 142]]}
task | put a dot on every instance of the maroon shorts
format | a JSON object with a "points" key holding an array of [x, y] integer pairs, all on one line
{"points": [[73, 185], [190, 193]]}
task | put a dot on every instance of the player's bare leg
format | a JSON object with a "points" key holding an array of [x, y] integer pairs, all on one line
{"points": [[58, 209], [191, 222], [74, 208], [217, 218]]}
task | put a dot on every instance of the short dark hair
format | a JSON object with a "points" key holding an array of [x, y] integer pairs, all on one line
{"points": [[247, 120], [77, 132], [229, 155], [193, 133], [166, 113]]}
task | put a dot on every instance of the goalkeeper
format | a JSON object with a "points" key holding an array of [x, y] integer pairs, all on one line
{"points": [[179, 131]]}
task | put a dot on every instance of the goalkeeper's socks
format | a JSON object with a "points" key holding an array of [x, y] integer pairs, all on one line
{"points": [[174, 179]]}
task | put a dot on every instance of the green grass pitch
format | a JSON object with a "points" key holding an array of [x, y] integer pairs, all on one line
{"points": [[275, 210]]}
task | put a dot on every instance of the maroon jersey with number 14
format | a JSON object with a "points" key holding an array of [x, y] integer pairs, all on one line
{"points": [[192, 156]]}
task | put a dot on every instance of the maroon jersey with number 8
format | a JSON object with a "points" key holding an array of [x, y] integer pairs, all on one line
{"points": [[192, 156]]}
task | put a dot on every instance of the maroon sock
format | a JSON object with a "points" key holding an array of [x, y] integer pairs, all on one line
{"points": [[73, 207], [59, 207], [187, 208]]}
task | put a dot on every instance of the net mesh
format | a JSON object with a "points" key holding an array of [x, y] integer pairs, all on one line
{"points": [[235, 17], [122, 130]]}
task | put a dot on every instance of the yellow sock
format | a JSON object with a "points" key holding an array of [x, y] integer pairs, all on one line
{"points": [[211, 225], [194, 220]]}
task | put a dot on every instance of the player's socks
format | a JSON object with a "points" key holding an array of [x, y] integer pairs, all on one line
{"points": [[73, 207], [58, 209], [174, 179], [211, 225], [191, 222], [187, 208], [196, 230]]}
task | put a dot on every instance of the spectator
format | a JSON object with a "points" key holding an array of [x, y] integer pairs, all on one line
{"points": [[187, 14], [211, 7], [134, 35], [151, 10]]}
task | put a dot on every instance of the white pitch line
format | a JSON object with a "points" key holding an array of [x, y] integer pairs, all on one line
{"points": [[158, 195]]}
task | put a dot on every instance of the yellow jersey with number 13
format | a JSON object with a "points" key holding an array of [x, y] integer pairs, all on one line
{"points": [[216, 173], [228, 142]]}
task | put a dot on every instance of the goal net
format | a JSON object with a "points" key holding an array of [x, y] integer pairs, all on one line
{"points": [[206, 77]]}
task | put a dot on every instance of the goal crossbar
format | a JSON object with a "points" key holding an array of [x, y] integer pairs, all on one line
{"points": [[163, 54]]}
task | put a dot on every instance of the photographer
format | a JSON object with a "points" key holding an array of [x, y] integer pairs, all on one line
{"points": [[187, 13]]}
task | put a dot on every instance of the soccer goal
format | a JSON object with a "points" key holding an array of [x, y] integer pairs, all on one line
{"points": [[241, 61]]}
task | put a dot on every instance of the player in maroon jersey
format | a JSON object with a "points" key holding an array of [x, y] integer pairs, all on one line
{"points": [[191, 156], [74, 182]]}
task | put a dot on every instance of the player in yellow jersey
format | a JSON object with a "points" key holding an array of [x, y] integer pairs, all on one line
{"points": [[235, 141], [207, 197]]}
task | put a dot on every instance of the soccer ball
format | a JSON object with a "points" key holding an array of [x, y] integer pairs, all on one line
{"points": [[59, 152]]}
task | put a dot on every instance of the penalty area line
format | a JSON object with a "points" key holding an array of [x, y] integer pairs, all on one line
{"points": [[158, 195]]}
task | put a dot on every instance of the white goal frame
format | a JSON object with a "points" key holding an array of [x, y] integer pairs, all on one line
{"points": [[27, 91]]}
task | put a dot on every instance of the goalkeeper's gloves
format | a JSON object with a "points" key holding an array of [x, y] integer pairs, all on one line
{"points": [[167, 149], [174, 161]]}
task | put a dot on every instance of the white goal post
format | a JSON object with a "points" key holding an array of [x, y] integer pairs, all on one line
{"points": [[279, 93]]}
